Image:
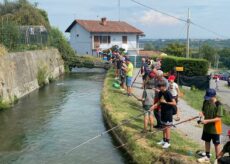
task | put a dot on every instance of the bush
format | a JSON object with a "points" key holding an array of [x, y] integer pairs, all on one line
{"points": [[42, 75], [3, 50], [192, 67]]}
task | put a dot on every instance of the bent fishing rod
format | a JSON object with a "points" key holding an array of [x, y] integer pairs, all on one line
{"points": [[136, 77]]}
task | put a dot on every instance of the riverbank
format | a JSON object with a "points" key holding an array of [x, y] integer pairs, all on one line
{"points": [[117, 107]]}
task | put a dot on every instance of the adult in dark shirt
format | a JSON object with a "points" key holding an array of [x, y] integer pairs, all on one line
{"points": [[226, 149]]}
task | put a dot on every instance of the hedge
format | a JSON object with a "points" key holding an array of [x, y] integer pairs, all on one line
{"points": [[192, 67]]}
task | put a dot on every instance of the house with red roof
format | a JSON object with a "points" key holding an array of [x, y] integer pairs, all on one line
{"points": [[90, 36]]}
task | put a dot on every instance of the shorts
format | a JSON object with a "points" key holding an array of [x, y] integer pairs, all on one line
{"points": [[224, 160], [146, 110], [208, 137], [128, 81], [166, 117]]}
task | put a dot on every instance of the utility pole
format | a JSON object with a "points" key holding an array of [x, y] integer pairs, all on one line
{"points": [[188, 28], [119, 10]]}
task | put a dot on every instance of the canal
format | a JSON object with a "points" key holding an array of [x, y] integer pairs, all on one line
{"points": [[49, 122]]}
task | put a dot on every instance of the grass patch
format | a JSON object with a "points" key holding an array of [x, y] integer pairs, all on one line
{"points": [[195, 99], [118, 107]]}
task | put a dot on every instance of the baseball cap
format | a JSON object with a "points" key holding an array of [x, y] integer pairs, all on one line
{"points": [[209, 94], [172, 77], [162, 84]]}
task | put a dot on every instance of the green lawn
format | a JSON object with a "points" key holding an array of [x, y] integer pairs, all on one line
{"points": [[195, 99], [118, 107]]}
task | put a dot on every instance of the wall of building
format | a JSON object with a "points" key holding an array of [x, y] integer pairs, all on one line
{"points": [[19, 71], [81, 40]]}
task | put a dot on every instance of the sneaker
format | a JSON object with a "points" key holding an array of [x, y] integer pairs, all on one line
{"points": [[122, 89], [162, 142], [203, 160], [166, 145]]}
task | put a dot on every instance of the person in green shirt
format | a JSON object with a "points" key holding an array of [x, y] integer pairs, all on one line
{"points": [[129, 76], [211, 112]]}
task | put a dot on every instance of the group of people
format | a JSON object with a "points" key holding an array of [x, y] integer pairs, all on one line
{"points": [[160, 98]]}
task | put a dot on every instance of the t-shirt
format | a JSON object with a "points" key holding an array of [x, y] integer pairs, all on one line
{"points": [[146, 68], [148, 96], [166, 109], [226, 148], [129, 72], [212, 111], [173, 89]]}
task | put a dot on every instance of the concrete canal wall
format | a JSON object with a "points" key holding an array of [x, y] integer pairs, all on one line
{"points": [[22, 72]]}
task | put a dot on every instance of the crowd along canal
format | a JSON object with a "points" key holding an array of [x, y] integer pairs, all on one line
{"points": [[46, 124]]}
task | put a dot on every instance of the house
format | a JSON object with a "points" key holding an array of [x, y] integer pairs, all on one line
{"points": [[88, 36]]}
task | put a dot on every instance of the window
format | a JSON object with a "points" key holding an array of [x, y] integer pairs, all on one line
{"points": [[124, 39], [102, 39], [105, 39]]}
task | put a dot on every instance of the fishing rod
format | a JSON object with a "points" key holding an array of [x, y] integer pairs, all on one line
{"points": [[136, 77], [173, 125], [107, 131], [154, 132]]}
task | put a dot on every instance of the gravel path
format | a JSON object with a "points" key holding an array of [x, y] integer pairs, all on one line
{"points": [[190, 129]]}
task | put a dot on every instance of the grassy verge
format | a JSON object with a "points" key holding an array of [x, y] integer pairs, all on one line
{"points": [[118, 107], [195, 99]]}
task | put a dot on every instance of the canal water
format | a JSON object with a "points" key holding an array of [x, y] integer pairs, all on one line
{"points": [[46, 124]]}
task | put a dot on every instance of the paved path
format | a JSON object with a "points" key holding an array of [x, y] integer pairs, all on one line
{"points": [[223, 93], [190, 129]]}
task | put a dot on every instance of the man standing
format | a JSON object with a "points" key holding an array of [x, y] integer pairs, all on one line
{"points": [[129, 76], [212, 112]]}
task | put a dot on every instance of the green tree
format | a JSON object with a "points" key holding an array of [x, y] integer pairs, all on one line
{"points": [[9, 34], [225, 57], [175, 49], [148, 47], [209, 53]]}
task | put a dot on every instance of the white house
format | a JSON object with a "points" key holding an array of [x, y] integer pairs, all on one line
{"points": [[87, 36]]}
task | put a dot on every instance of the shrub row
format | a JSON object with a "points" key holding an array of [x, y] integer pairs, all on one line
{"points": [[192, 67]]}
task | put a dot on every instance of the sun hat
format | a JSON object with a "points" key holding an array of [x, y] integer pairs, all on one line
{"points": [[172, 77], [209, 94]]}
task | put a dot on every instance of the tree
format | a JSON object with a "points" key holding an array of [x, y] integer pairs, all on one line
{"points": [[209, 53], [175, 49], [148, 47], [9, 34], [225, 57]]}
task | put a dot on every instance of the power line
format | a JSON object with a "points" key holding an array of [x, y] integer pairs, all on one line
{"points": [[162, 12], [180, 19]]}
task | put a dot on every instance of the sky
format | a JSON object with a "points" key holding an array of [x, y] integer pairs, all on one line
{"points": [[211, 14]]}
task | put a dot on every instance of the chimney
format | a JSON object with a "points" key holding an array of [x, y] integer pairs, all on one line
{"points": [[104, 21]]}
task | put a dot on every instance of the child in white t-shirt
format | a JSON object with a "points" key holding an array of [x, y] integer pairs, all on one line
{"points": [[175, 91]]}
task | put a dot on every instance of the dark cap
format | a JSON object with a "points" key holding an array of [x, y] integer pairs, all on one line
{"points": [[209, 94], [162, 84]]}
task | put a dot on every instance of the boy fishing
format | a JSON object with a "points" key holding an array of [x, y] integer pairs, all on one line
{"points": [[167, 103], [211, 112], [148, 101]]}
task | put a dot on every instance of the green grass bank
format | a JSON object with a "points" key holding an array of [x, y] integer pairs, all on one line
{"points": [[117, 107]]}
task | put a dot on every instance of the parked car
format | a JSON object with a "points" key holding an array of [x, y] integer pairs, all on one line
{"points": [[225, 76], [215, 76]]}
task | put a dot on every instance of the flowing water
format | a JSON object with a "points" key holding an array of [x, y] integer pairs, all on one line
{"points": [[46, 124]]}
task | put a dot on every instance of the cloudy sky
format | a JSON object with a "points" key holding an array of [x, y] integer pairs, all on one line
{"points": [[212, 14]]}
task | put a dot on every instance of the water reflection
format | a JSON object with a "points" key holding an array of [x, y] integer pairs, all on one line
{"points": [[49, 122]]}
